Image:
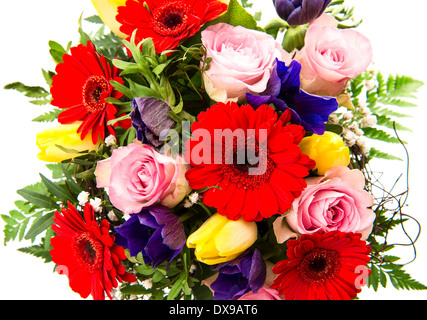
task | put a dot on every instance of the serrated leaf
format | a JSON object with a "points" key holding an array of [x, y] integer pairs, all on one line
{"points": [[94, 19], [379, 134], [387, 122], [37, 199], [48, 116], [402, 86], [15, 214], [375, 153], [37, 251], [10, 221], [30, 91], [40, 225]]}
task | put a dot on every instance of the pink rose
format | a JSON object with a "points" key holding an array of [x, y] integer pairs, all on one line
{"points": [[242, 61], [264, 293], [332, 56], [336, 201], [137, 176]]}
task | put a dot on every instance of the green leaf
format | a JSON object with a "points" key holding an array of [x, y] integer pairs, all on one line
{"points": [[375, 153], [86, 175], [236, 15], [40, 225], [37, 199], [56, 51], [402, 86], [38, 251], [387, 122], [30, 91], [177, 286], [48, 116], [274, 26], [10, 221], [294, 38], [57, 190], [379, 134], [94, 19], [134, 289], [71, 182]]}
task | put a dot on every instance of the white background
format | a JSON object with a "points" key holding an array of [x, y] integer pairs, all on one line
{"points": [[397, 31]]}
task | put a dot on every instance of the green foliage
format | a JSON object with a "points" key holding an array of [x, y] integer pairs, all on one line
{"points": [[384, 273], [388, 100], [236, 15]]}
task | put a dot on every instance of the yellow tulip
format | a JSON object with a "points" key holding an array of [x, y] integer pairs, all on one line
{"points": [[219, 239], [327, 150], [107, 11], [65, 136]]}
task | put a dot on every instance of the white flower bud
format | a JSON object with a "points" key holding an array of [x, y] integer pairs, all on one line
{"points": [[96, 204], [83, 198]]}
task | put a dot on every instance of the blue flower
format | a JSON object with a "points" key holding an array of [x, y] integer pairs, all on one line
{"points": [[309, 111], [298, 12], [156, 232], [149, 118], [239, 276]]}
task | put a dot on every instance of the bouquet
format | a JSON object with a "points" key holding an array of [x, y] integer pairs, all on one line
{"points": [[199, 155]]}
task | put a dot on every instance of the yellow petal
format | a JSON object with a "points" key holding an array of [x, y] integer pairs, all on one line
{"points": [[235, 237], [107, 11], [63, 135], [216, 260], [206, 231]]}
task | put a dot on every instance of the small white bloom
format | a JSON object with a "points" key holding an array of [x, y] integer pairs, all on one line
{"points": [[96, 204], [112, 216], [347, 115], [83, 197], [365, 149], [147, 284], [333, 118], [194, 197], [187, 204], [359, 132], [370, 84], [193, 268], [353, 126], [369, 122], [349, 137], [110, 141]]}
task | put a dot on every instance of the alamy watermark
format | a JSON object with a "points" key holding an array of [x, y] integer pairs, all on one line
{"points": [[224, 146]]}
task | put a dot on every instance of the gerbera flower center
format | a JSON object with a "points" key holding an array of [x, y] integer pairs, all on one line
{"points": [[88, 251], [318, 266], [93, 91], [171, 19], [239, 173]]}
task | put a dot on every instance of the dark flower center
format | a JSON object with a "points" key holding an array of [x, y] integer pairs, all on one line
{"points": [[88, 251], [243, 172], [92, 91], [170, 20], [318, 266]]}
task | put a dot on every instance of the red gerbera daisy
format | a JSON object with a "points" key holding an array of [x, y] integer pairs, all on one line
{"points": [[242, 193], [81, 85], [88, 253], [166, 22], [323, 266]]}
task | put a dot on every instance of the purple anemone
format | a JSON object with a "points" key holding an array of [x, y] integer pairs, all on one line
{"points": [[156, 232], [309, 111], [298, 12], [239, 276], [150, 116]]}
